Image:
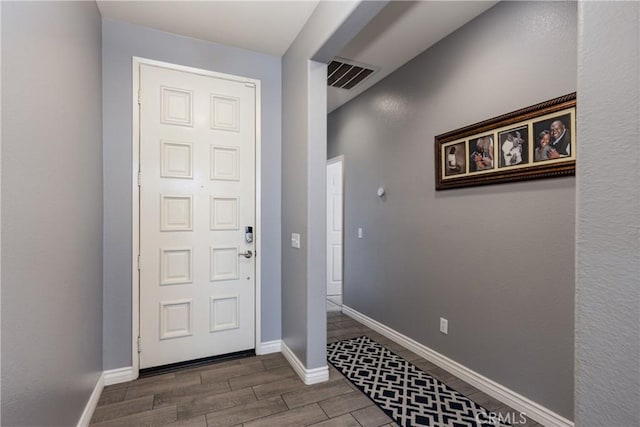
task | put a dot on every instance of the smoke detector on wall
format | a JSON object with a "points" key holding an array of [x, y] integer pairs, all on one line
{"points": [[347, 74]]}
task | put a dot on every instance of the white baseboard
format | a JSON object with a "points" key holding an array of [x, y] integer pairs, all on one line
{"points": [[90, 407], [269, 347], [117, 376], [516, 401], [309, 376]]}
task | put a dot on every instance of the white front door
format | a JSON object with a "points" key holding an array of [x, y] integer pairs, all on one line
{"points": [[334, 227], [197, 195]]}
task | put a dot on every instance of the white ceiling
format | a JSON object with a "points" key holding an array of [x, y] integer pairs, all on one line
{"points": [[402, 30], [262, 26]]}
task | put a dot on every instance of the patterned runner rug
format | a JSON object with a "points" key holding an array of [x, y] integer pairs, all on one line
{"points": [[403, 391]]}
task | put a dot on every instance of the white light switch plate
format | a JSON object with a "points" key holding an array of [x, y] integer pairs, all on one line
{"points": [[444, 325], [359, 233], [295, 240]]}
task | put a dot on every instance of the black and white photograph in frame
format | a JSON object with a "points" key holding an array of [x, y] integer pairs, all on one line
{"points": [[514, 147], [455, 156]]}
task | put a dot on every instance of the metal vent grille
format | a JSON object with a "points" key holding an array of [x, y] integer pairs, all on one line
{"points": [[344, 75]]}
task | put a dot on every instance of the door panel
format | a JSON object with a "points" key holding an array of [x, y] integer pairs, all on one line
{"points": [[197, 193], [334, 228]]}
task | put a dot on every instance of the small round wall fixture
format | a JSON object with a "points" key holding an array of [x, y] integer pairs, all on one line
{"points": [[380, 191]]}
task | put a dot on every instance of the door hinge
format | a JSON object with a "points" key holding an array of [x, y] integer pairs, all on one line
{"points": [[139, 97], [139, 263], [139, 345], [139, 179]]}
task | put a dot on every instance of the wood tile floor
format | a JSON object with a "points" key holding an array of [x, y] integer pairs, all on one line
{"points": [[262, 391]]}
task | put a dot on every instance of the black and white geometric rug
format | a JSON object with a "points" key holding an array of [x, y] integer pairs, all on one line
{"points": [[403, 391]]}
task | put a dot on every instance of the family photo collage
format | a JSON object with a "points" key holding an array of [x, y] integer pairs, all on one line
{"points": [[536, 142]]}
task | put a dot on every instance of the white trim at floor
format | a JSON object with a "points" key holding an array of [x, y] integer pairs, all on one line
{"points": [[110, 377], [309, 376], [90, 407], [516, 401], [269, 347], [117, 376]]}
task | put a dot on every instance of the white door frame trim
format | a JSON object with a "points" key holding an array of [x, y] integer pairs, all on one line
{"points": [[135, 154], [332, 160]]}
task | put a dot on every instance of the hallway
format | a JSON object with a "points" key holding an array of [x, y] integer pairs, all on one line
{"points": [[262, 391]]}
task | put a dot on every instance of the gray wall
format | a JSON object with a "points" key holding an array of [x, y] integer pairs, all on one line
{"points": [[329, 28], [121, 42], [496, 261], [51, 211], [608, 240]]}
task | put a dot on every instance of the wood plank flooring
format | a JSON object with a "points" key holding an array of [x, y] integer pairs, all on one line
{"points": [[262, 391]]}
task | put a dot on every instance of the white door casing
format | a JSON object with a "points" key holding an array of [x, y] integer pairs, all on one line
{"points": [[197, 138], [334, 226]]}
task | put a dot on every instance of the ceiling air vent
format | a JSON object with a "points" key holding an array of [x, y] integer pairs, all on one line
{"points": [[346, 74]]}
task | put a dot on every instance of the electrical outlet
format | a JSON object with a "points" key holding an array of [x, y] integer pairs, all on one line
{"points": [[444, 325], [295, 240]]}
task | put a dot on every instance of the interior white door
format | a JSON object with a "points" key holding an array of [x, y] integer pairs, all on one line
{"points": [[197, 195], [334, 227]]}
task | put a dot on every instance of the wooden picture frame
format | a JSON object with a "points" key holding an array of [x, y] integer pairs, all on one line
{"points": [[531, 143]]}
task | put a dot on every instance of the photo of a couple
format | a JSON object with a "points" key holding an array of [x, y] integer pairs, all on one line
{"points": [[552, 138], [481, 157]]}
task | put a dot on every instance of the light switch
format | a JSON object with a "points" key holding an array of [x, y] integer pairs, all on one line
{"points": [[295, 240], [359, 233], [444, 326]]}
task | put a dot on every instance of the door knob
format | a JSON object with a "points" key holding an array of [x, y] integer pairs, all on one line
{"points": [[247, 254]]}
